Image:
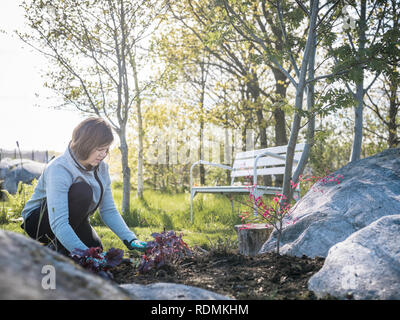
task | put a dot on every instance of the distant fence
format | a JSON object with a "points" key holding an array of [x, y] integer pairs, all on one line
{"points": [[40, 156]]}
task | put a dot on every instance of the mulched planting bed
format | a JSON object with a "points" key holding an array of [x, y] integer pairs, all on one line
{"points": [[265, 276]]}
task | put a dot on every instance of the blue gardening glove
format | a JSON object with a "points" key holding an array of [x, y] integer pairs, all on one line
{"points": [[136, 244], [97, 262]]}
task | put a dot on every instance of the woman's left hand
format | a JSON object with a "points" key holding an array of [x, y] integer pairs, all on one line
{"points": [[136, 244]]}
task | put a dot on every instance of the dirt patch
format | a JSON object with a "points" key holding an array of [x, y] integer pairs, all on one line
{"points": [[266, 276]]}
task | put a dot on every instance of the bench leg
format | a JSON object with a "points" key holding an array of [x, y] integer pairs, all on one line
{"points": [[233, 208], [192, 194]]}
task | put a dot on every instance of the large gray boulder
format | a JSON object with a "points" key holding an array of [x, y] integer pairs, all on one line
{"points": [[364, 266], [171, 291], [5, 165], [25, 172], [327, 215], [26, 270]]}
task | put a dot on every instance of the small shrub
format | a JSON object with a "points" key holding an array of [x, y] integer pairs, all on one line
{"points": [[16, 202], [315, 183], [3, 215], [167, 248], [97, 261], [273, 215]]}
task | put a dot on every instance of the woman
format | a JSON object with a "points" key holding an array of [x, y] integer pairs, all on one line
{"points": [[71, 188]]}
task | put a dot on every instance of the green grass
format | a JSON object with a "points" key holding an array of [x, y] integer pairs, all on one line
{"points": [[213, 218], [12, 226]]}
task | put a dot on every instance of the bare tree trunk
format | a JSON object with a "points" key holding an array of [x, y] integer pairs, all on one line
{"points": [[299, 100], [358, 121], [394, 103], [311, 121], [393, 111], [201, 152], [228, 152], [126, 172], [123, 106], [279, 114], [358, 112], [254, 89], [278, 238], [244, 137], [140, 130], [201, 133]]}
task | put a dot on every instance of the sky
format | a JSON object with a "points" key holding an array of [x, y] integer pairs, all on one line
{"points": [[26, 115]]}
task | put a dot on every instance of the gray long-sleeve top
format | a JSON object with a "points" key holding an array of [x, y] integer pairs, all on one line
{"points": [[54, 184]]}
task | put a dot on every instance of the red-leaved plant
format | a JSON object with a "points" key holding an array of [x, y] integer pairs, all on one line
{"points": [[97, 261], [274, 213], [166, 248], [315, 182]]}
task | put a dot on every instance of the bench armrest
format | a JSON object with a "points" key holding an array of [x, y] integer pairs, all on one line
{"points": [[271, 154], [207, 163], [266, 153]]}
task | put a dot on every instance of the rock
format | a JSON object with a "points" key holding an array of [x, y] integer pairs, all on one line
{"points": [[365, 266], [251, 237], [171, 291], [26, 268], [5, 165], [370, 189], [25, 172]]}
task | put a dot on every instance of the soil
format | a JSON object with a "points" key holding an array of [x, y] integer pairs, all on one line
{"points": [[265, 276]]}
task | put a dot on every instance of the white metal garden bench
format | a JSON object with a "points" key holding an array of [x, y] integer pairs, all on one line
{"points": [[262, 162]]}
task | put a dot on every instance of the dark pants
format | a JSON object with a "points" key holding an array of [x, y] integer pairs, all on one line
{"points": [[79, 198]]}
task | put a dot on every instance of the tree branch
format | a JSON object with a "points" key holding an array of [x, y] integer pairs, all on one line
{"points": [[283, 30]]}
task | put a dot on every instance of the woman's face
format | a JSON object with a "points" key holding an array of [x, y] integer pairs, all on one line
{"points": [[97, 155]]}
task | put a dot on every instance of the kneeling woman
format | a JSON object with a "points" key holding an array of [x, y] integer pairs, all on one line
{"points": [[71, 188]]}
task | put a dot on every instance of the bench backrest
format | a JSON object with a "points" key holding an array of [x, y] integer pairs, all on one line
{"points": [[243, 164]]}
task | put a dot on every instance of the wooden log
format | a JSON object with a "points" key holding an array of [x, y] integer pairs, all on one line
{"points": [[251, 237]]}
